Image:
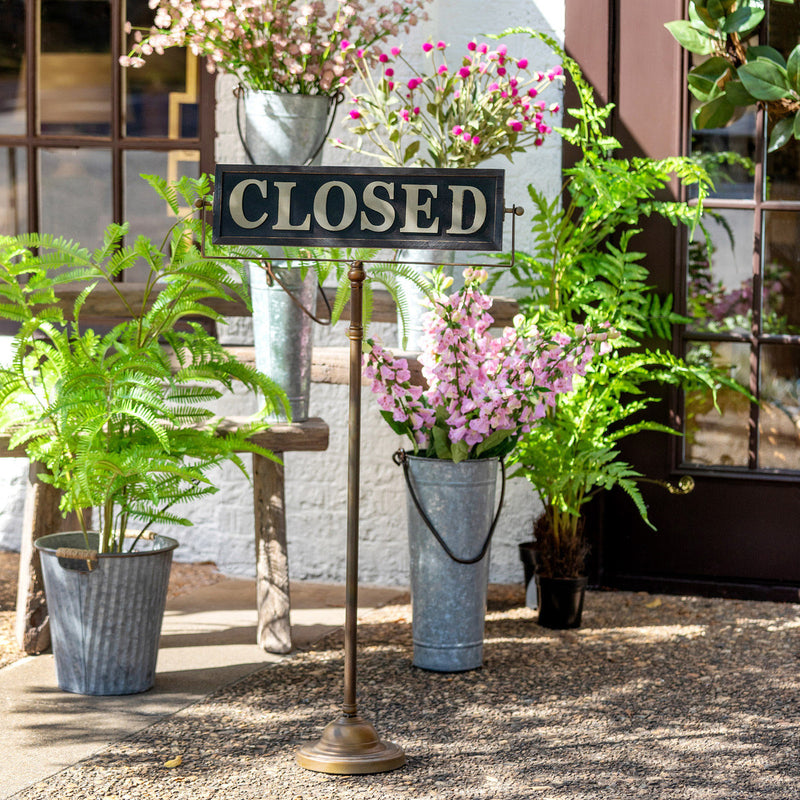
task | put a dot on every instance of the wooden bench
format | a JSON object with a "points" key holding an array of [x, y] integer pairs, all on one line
{"points": [[42, 516]]}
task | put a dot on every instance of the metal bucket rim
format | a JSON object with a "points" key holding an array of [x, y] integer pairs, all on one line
{"points": [[167, 544]]}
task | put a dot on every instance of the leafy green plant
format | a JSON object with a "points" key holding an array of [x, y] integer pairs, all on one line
{"points": [[121, 420], [736, 73], [584, 270]]}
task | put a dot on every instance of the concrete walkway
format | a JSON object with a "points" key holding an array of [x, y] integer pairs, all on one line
{"points": [[208, 641]]}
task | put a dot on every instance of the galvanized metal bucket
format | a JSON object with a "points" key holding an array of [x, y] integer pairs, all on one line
{"points": [[105, 611], [410, 328], [449, 598], [285, 129], [283, 333]]}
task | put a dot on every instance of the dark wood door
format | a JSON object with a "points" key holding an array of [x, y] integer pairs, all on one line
{"points": [[738, 532]]}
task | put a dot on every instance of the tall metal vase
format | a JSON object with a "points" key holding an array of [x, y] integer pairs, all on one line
{"points": [[449, 598], [410, 328], [284, 129]]}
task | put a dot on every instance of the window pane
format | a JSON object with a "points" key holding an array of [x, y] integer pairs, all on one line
{"points": [[161, 96], [781, 292], [779, 417], [12, 67], [76, 193], [711, 438], [720, 284], [75, 69], [727, 153], [147, 214], [13, 192]]}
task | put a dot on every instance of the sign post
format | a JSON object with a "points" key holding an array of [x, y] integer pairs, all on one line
{"points": [[339, 207]]}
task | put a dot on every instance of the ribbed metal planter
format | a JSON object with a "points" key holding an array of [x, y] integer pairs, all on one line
{"points": [[283, 334], [105, 622], [448, 598]]}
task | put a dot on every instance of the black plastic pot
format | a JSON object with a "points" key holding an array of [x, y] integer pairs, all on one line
{"points": [[527, 554], [560, 601]]}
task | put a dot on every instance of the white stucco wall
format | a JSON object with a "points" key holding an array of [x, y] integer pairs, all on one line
{"points": [[316, 483]]}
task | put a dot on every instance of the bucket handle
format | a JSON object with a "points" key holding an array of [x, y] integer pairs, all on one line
{"points": [[273, 278], [73, 558], [400, 459]]}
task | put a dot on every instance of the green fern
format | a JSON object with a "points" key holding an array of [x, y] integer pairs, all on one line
{"points": [[118, 427]]}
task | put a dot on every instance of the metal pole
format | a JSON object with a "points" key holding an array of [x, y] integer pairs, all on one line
{"points": [[350, 745], [356, 335]]}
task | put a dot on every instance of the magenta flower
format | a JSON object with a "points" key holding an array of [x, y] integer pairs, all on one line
{"points": [[442, 69], [395, 51], [427, 47], [457, 130], [464, 72], [388, 72], [355, 113], [383, 58], [472, 46], [522, 63], [440, 45]]}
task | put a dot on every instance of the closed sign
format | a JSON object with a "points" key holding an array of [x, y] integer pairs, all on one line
{"points": [[454, 209]]}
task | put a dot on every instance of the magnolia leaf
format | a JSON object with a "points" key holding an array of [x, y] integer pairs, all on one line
{"points": [[765, 51], [764, 79], [737, 94], [793, 68], [689, 37], [715, 114], [743, 20]]}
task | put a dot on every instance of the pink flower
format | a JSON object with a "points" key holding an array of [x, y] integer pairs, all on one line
{"points": [[464, 72], [345, 44], [472, 46], [354, 113], [501, 70], [494, 87], [383, 58], [388, 72], [457, 130], [522, 63], [532, 92], [502, 50], [395, 51], [483, 49], [467, 137], [440, 45], [476, 140], [427, 47], [416, 110], [442, 69]]}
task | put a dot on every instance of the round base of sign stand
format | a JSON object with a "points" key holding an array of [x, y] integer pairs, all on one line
{"points": [[350, 746]]}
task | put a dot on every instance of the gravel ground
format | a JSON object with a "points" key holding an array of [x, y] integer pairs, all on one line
{"points": [[654, 697]]}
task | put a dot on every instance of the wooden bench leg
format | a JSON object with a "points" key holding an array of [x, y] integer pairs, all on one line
{"points": [[41, 517], [272, 563]]}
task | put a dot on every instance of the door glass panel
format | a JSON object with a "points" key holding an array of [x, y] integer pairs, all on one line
{"points": [[161, 96], [713, 438], [779, 416], [727, 153], [720, 284], [13, 194], [781, 292], [147, 213], [76, 193], [12, 67], [75, 68]]}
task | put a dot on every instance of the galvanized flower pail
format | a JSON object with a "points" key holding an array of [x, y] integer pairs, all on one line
{"points": [[283, 333], [287, 130], [105, 611], [451, 517]]}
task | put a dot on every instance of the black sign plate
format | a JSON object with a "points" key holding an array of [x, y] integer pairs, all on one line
{"points": [[451, 209]]}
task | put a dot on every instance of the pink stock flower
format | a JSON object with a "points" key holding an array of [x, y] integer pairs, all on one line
{"points": [[481, 386]]}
